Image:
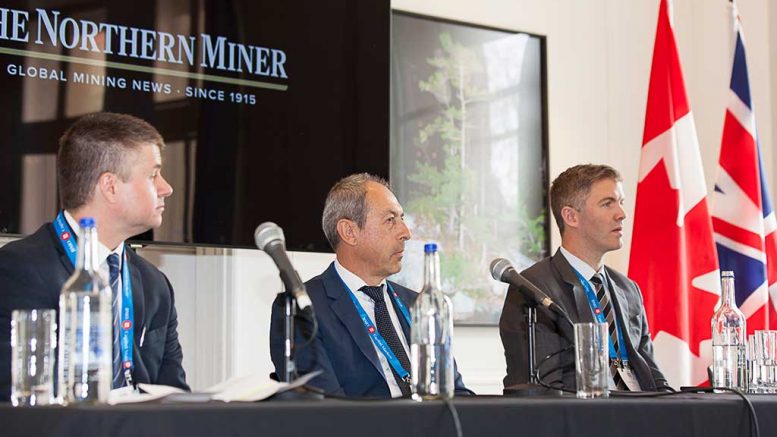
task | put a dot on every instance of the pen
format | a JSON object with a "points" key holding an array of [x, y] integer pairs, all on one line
{"points": [[142, 337]]}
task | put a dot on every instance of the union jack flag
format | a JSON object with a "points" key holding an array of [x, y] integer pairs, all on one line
{"points": [[743, 218]]}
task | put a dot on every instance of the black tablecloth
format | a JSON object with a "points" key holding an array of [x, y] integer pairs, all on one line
{"points": [[684, 415]]}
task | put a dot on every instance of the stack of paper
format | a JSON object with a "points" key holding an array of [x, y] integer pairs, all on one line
{"points": [[249, 388]]}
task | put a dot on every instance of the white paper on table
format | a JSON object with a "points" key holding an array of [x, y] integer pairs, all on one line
{"points": [[128, 395], [254, 387], [250, 388]]}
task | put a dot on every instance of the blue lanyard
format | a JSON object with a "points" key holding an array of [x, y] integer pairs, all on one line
{"points": [[372, 331], [66, 237], [400, 304], [593, 301], [126, 332]]}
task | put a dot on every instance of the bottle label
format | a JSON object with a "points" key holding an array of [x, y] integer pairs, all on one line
{"points": [[85, 347]]}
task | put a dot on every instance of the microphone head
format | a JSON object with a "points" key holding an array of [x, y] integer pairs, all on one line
{"points": [[498, 267], [267, 234]]}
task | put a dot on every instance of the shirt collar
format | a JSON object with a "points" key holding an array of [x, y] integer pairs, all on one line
{"points": [[351, 280], [102, 250], [578, 264]]}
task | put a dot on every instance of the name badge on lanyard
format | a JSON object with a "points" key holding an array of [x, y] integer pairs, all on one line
{"points": [[629, 378], [127, 330], [375, 336]]}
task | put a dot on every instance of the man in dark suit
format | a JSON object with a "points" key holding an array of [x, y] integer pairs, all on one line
{"points": [[587, 204], [108, 168], [364, 223]]}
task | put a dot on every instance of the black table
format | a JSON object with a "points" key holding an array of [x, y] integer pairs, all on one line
{"points": [[683, 415]]}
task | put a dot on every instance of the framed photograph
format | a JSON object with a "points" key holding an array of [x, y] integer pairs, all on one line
{"points": [[469, 155]]}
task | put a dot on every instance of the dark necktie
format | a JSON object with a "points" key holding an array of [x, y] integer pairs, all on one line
{"points": [[113, 269], [387, 331], [609, 315]]}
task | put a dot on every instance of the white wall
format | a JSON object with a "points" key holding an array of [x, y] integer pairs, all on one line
{"points": [[599, 54], [223, 298]]}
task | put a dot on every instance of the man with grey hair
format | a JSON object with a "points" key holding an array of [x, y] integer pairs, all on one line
{"points": [[357, 309], [587, 203], [108, 168]]}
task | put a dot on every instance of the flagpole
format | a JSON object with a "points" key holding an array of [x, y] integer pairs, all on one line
{"points": [[732, 38]]}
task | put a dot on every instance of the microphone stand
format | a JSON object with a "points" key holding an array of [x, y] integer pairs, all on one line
{"points": [[531, 320], [289, 368], [533, 387], [289, 373]]}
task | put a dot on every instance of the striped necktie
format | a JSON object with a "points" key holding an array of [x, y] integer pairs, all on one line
{"points": [[609, 315], [114, 270], [387, 331]]}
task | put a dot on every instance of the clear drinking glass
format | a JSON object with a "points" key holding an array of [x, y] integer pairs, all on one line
{"points": [[591, 360], [764, 362], [750, 358], [33, 340]]}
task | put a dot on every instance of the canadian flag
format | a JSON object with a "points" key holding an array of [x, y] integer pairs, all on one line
{"points": [[673, 256]]}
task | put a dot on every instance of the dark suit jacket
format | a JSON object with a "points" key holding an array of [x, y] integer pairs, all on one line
{"points": [[342, 349], [556, 277], [32, 272]]}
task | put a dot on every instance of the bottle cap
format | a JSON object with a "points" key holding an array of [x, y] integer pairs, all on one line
{"points": [[430, 247], [86, 222]]}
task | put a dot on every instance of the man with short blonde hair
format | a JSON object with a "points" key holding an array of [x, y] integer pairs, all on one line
{"points": [[587, 203]]}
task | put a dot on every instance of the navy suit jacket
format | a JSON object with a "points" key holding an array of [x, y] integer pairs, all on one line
{"points": [[342, 349], [32, 272]]}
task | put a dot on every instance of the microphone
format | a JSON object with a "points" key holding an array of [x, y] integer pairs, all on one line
{"points": [[269, 238], [502, 270]]}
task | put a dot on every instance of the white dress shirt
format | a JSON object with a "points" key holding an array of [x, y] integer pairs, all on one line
{"points": [[354, 283], [587, 272], [583, 268]]}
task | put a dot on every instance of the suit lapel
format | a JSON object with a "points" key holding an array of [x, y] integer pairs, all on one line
{"points": [[343, 307], [140, 373], [581, 309], [637, 363], [619, 296], [138, 296], [408, 303], [63, 258]]}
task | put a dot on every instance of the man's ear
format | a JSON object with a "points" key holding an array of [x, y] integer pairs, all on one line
{"points": [[571, 217], [347, 230], [107, 186]]}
